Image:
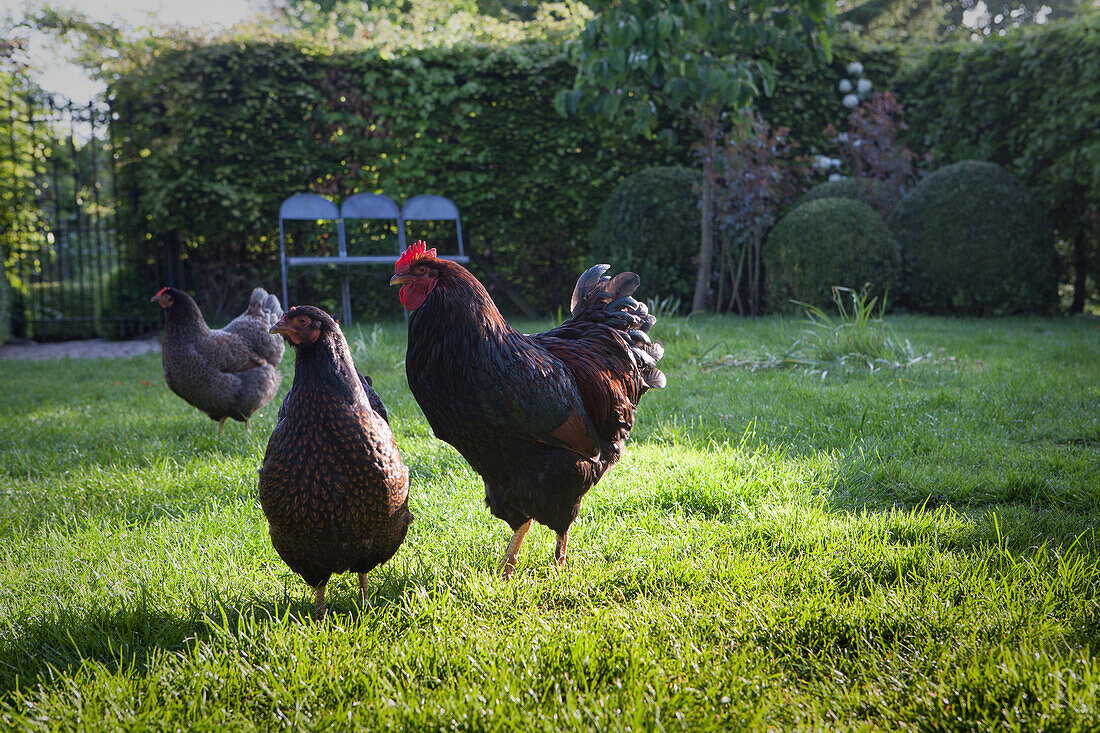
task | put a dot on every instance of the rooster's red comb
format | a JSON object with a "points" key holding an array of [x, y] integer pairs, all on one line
{"points": [[161, 292], [416, 250]]}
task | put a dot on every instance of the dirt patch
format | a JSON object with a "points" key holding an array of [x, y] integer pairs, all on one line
{"points": [[90, 349]]}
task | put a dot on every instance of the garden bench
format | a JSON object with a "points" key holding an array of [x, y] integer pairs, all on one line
{"points": [[316, 208]]}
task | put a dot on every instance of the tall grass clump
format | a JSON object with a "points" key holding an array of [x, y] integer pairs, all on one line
{"points": [[858, 335]]}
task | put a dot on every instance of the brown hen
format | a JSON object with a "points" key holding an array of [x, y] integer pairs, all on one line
{"points": [[332, 485], [229, 372]]}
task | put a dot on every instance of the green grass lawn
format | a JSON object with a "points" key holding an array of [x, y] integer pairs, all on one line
{"points": [[781, 548]]}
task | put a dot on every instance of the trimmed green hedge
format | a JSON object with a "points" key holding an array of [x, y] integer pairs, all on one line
{"points": [[212, 138], [827, 242], [215, 137], [974, 241]]}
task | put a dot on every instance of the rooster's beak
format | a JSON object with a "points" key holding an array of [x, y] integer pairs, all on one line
{"points": [[399, 280]]}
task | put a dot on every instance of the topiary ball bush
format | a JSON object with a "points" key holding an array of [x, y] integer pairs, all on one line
{"points": [[650, 224], [974, 241], [827, 242], [870, 191]]}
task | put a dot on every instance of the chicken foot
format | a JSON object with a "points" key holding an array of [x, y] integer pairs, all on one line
{"points": [[509, 563]]}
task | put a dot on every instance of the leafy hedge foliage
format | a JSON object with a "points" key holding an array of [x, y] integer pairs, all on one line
{"points": [[1027, 101], [807, 100], [214, 137], [650, 224], [217, 136], [974, 241], [827, 242]]}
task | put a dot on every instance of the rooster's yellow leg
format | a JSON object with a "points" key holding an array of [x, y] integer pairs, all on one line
{"points": [[509, 562], [319, 602], [559, 548]]}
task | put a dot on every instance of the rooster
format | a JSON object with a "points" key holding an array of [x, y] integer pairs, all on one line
{"points": [[332, 485], [540, 417], [227, 373]]}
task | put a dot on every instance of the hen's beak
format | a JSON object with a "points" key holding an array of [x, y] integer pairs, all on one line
{"points": [[280, 328], [399, 279]]}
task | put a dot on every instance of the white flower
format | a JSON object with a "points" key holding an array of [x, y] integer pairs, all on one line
{"points": [[855, 68], [835, 177], [842, 137], [844, 86], [850, 101], [835, 162], [822, 161], [864, 86]]}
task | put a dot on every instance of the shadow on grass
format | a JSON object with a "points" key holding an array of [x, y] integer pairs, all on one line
{"points": [[47, 651]]}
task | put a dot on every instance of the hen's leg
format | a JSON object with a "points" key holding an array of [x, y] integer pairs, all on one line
{"points": [[319, 602], [221, 424], [363, 589], [559, 548], [509, 562]]}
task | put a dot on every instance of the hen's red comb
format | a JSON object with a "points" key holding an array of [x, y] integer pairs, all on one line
{"points": [[416, 250], [161, 292]]}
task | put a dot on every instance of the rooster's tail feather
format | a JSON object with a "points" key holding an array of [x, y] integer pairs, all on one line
{"points": [[609, 300]]}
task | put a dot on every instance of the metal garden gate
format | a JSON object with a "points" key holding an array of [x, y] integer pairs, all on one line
{"points": [[76, 271]]}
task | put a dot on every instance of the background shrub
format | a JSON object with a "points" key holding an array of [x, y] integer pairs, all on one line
{"points": [[1027, 101], [827, 242], [650, 224], [974, 241]]}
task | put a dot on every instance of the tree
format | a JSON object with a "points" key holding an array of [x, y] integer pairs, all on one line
{"points": [[657, 62]]}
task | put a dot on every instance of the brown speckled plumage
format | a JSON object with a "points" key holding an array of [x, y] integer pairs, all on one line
{"points": [[229, 372], [332, 485]]}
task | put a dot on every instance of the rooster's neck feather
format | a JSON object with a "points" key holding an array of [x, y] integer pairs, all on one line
{"points": [[460, 306]]}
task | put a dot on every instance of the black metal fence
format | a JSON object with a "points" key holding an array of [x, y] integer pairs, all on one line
{"points": [[72, 263]]}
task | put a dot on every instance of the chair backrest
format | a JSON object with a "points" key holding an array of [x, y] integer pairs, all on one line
{"points": [[374, 206], [308, 206], [428, 207], [369, 206]]}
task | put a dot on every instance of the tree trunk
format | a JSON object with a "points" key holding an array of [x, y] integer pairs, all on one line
{"points": [[707, 125]]}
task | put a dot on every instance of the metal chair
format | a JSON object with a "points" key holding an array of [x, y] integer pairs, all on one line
{"points": [[312, 207]]}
